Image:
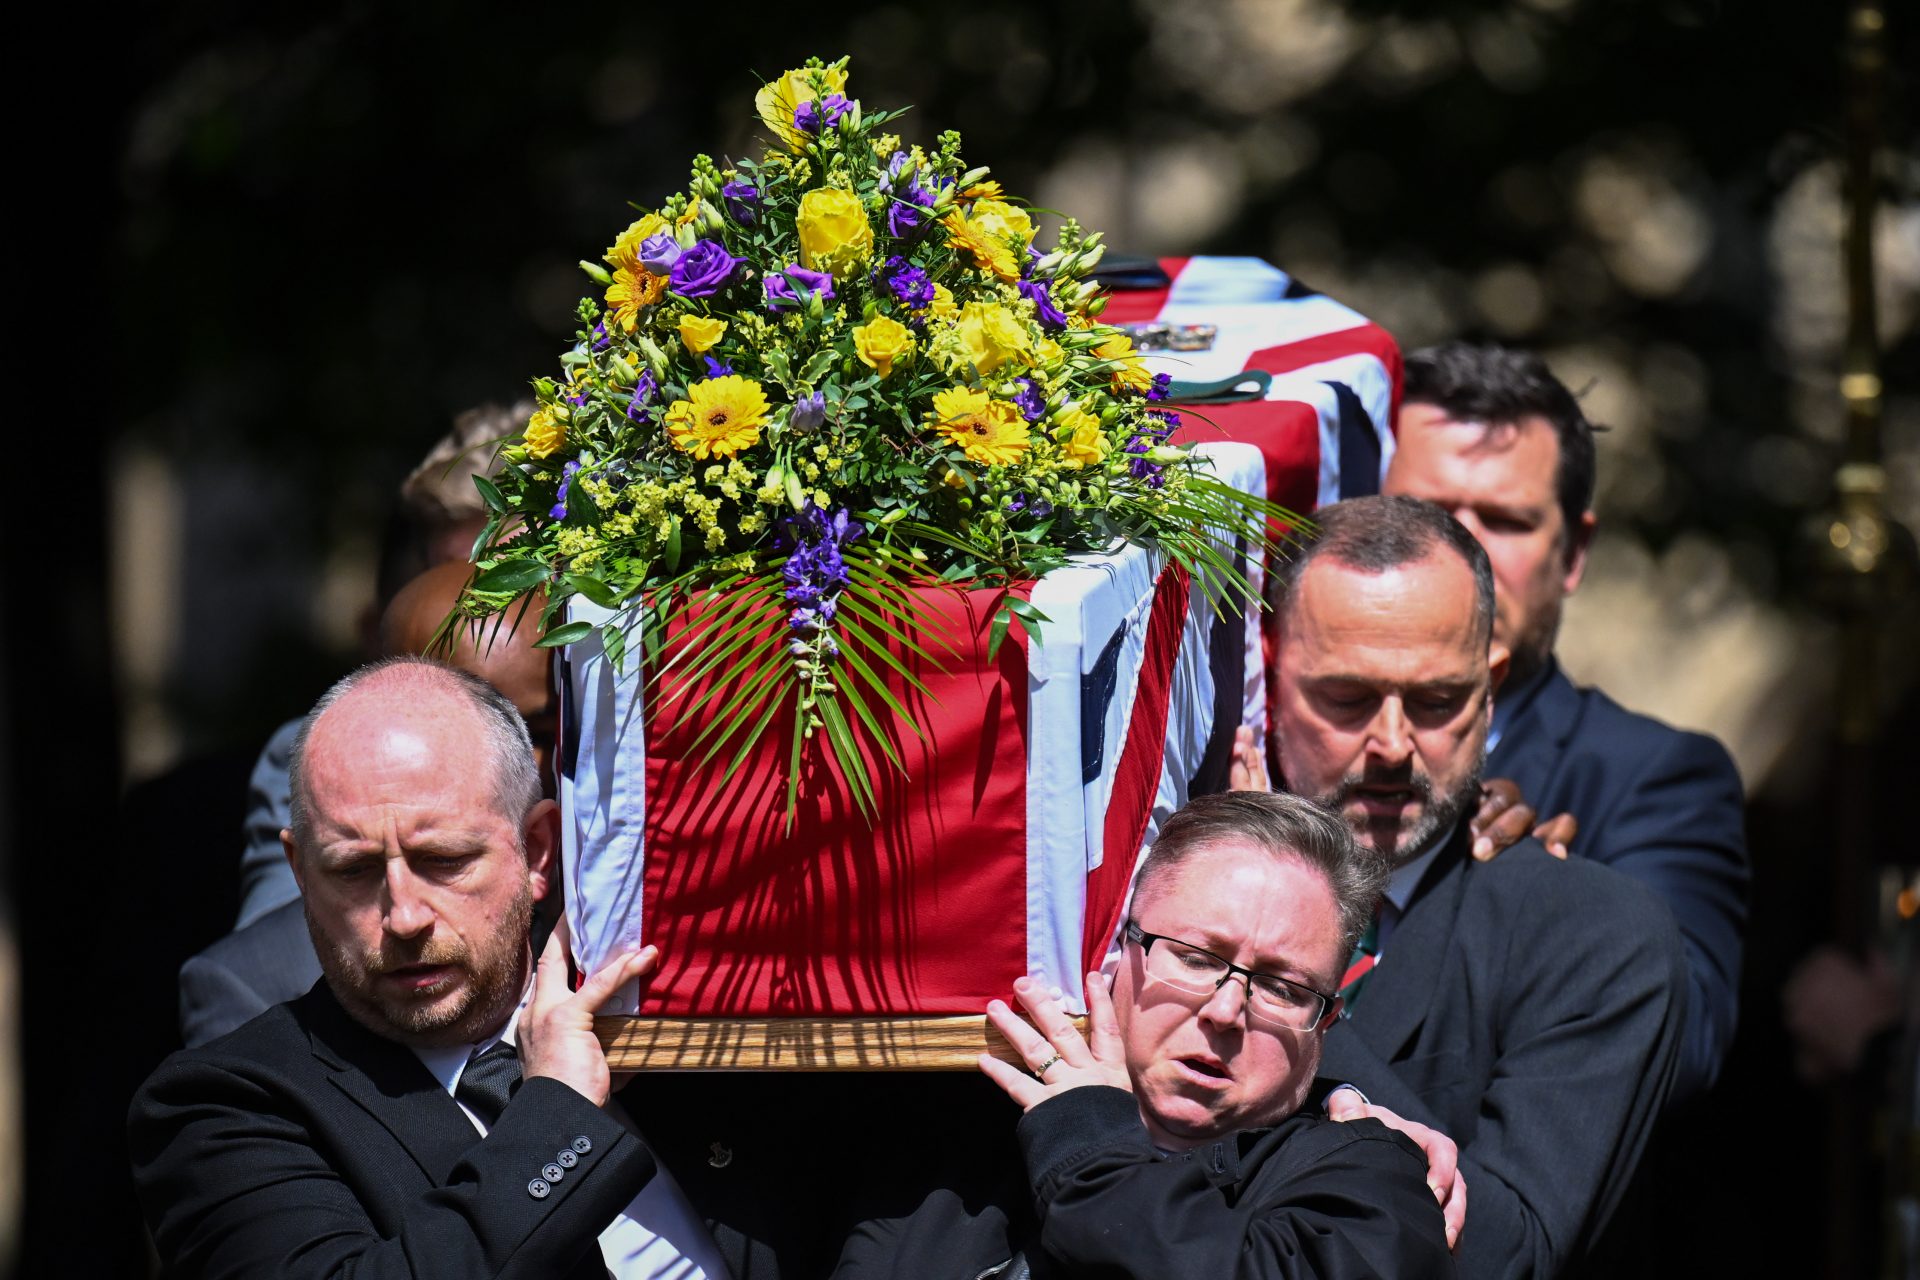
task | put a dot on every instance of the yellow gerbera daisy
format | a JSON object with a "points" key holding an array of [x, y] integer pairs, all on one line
{"points": [[989, 431], [720, 417], [1129, 371], [631, 291], [989, 252]]}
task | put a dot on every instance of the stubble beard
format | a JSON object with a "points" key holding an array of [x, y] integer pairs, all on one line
{"points": [[490, 983], [1397, 842]]}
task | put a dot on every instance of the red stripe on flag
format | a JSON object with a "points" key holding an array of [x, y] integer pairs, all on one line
{"points": [[1363, 339], [1134, 306], [1136, 778]]}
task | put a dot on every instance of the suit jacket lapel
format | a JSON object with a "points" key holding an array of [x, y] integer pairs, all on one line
{"points": [[391, 1084], [1532, 743], [1401, 990]]}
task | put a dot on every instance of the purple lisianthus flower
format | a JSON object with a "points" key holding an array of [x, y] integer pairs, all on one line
{"points": [[1029, 401], [643, 393], [658, 253], [717, 368], [1040, 294], [809, 412], [908, 283], [743, 201], [1140, 468], [1158, 391], [703, 270], [559, 509], [906, 206], [785, 287], [816, 118]]}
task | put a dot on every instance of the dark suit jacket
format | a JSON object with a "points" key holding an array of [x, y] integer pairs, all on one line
{"points": [[303, 1143], [246, 973], [1659, 805], [1531, 1009]]}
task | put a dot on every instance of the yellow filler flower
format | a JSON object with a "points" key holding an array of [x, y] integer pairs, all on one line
{"points": [[989, 431], [720, 417]]}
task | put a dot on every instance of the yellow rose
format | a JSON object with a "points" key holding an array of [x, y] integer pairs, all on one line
{"points": [[944, 307], [1128, 371], [834, 233], [880, 342], [700, 332], [546, 434], [1049, 351], [1082, 443], [779, 99], [988, 336]]}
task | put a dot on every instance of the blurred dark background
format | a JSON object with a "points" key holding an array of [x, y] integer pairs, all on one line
{"points": [[296, 240]]}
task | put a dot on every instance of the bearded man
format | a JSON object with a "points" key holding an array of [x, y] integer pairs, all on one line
{"points": [[1529, 1007], [438, 1105]]}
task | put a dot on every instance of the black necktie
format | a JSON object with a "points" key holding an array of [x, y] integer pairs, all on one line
{"points": [[488, 1081]]}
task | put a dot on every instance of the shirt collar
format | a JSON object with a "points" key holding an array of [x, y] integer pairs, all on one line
{"points": [[1405, 878], [446, 1064]]}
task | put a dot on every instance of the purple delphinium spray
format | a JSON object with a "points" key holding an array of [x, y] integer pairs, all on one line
{"points": [[1141, 442], [743, 201], [1158, 391], [912, 286], [815, 574], [559, 509], [643, 393]]}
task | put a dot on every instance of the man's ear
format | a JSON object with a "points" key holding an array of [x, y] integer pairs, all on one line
{"points": [[541, 833], [1579, 541], [1498, 660], [292, 850]]}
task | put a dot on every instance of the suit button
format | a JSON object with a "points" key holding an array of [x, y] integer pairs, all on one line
{"points": [[581, 1144], [553, 1173], [566, 1159], [538, 1188]]}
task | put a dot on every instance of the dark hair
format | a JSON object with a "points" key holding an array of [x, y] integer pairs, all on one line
{"points": [[1378, 533], [516, 785], [1285, 826], [1499, 386]]}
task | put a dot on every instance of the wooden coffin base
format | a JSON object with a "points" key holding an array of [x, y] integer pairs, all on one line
{"points": [[802, 1044]]}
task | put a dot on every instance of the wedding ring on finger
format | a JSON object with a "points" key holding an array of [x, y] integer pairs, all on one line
{"points": [[1040, 1072]]}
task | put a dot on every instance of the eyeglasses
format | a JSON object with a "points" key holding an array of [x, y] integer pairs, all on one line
{"points": [[1271, 1001]]}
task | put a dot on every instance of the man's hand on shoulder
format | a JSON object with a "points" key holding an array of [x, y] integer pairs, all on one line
{"points": [[556, 1032], [1248, 772], [1448, 1184], [1058, 1057], [1505, 818]]}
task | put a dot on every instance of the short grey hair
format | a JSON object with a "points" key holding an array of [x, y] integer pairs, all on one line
{"points": [[516, 779], [1376, 534], [1286, 826]]}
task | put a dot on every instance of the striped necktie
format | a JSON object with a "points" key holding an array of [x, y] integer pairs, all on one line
{"points": [[488, 1081], [1366, 954]]}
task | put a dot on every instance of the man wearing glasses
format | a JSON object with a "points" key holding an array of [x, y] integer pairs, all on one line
{"points": [[1171, 1139]]}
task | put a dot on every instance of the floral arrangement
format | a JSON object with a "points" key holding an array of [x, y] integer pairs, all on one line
{"points": [[812, 382]]}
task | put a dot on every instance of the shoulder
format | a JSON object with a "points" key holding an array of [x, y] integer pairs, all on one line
{"points": [[1548, 905], [1642, 742], [1310, 1140]]}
